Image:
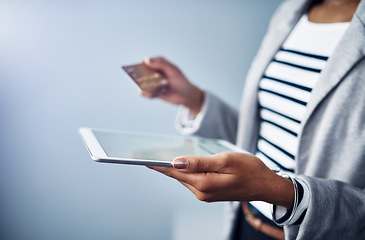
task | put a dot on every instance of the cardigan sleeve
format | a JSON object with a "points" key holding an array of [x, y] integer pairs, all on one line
{"points": [[336, 211]]}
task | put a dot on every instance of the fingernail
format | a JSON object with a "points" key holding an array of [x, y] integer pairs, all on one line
{"points": [[147, 60], [180, 163]]}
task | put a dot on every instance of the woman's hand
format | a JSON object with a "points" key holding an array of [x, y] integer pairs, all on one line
{"points": [[230, 177], [179, 89]]}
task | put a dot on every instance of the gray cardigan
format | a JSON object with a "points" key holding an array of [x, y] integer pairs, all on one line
{"points": [[331, 152]]}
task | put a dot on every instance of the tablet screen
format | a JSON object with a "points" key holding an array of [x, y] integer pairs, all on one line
{"points": [[154, 147]]}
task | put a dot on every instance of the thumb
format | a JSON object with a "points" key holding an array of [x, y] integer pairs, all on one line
{"points": [[155, 62], [198, 163], [161, 64]]}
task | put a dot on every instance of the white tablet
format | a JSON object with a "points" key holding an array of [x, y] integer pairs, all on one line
{"points": [[148, 149]]}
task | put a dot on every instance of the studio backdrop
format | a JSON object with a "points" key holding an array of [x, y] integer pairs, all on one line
{"points": [[60, 70]]}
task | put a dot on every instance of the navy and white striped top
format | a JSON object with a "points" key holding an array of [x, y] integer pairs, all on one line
{"points": [[285, 90]]}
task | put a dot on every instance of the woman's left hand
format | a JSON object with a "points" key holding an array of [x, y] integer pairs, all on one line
{"points": [[230, 176]]}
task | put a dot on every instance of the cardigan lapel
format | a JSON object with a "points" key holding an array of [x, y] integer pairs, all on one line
{"points": [[349, 51]]}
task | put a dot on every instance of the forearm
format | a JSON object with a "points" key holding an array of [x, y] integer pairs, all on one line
{"points": [[278, 191], [194, 100]]}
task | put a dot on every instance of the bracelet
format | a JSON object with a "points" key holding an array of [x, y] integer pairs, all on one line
{"points": [[295, 204]]}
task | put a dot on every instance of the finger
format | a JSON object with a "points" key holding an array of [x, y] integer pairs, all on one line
{"points": [[192, 189], [202, 164], [155, 62], [164, 170], [150, 94], [161, 64], [162, 91], [203, 185], [205, 196], [194, 179]]}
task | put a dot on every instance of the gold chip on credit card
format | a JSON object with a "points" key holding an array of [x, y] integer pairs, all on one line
{"points": [[146, 79]]}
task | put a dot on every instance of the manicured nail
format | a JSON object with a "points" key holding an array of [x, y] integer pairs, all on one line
{"points": [[180, 163], [147, 60]]}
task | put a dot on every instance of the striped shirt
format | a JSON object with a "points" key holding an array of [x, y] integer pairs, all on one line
{"points": [[284, 92]]}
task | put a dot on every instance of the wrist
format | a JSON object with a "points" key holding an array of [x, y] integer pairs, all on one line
{"points": [[194, 100], [280, 191]]}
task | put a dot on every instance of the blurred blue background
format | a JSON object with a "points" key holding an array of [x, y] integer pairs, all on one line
{"points": [[60, 70]]}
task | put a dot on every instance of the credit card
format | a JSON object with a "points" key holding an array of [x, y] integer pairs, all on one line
{"points": [[145, 78]]}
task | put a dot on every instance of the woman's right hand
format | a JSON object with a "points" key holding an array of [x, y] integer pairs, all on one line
{"points": [[179, 90]]}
